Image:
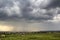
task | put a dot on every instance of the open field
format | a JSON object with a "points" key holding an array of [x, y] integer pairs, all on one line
{"points": [[30, 36]]}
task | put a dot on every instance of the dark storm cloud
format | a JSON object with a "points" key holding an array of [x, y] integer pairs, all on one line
{"points": [[3, 16], [28, 9], [53, 4], [4, 3], [29, 15]]}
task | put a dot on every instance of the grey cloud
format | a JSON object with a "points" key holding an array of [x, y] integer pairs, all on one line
{"points": [[52, 26], [28, 27], [26, 9], [30, 15], [53, 4], [4, 3]]}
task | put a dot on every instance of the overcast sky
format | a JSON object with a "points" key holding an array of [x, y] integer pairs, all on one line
{"points": [[29, 15]]}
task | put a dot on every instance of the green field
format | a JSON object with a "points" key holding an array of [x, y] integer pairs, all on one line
{"points": [[30, 36]]}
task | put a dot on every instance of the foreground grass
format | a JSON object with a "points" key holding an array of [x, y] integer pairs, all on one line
{"points": [[30, 36]]}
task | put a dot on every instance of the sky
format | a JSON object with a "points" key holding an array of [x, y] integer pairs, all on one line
{"points": [[29, 15]]}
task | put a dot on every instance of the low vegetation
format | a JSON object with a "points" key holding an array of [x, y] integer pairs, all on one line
{"points": [[30, 36]]}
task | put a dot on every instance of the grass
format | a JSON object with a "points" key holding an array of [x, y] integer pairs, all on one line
{"points": [[30, 36]]}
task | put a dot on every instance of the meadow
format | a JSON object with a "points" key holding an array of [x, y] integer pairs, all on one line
{"points": [[30, 36]]}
